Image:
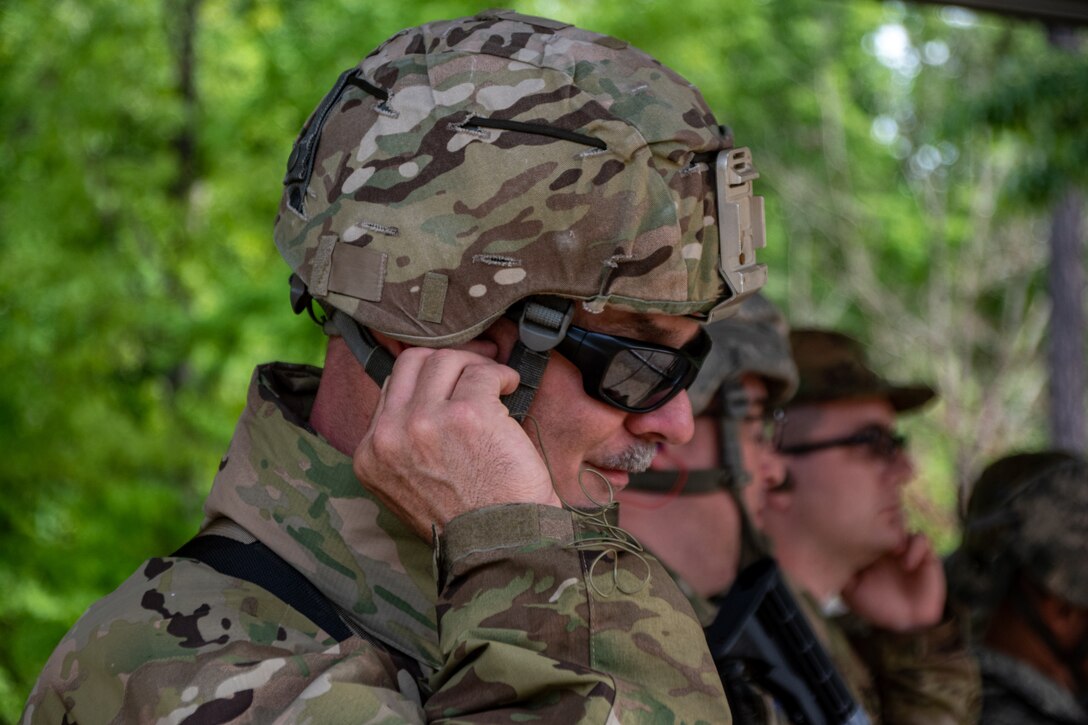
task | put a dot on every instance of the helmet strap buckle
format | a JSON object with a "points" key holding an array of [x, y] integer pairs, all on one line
{"points": [[543, 323]]}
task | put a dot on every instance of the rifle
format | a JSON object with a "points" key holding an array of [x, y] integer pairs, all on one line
{"points": [[760, 633]]}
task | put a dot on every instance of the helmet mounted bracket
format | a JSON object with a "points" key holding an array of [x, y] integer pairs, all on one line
{"points": [[741, 228]]}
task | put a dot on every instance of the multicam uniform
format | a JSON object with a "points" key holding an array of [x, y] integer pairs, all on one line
{"points": [[501, 623], [1027, 517], [463, 171], [1015, 693], [923, 677]]}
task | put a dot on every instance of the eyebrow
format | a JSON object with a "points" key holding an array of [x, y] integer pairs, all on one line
{"points": [[641, 327]]}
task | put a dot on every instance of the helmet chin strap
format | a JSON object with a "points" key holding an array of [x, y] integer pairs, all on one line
{"points": [[542, 324], [375, 359]]}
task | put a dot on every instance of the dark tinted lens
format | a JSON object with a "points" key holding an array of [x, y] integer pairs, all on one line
{"points": [[641, 378]]}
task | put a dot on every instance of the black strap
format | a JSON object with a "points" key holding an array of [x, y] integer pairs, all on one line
{"points": [[375, 359], [530, 365], [257, 564], [542, 324], [703, 480]]}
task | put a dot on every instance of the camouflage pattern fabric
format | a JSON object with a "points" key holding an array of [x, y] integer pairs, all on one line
{"points": [[1015, 693], [833, 366], [927, 677], [755, 340], [469, 164], [1028, 513], [501, 620], [922, 678]]}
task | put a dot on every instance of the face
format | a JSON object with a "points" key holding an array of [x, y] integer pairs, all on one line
{"points": [[766, 468], [580, 434], [847, 500]]}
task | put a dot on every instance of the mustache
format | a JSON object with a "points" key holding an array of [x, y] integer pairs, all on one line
{"points": [[635, 458]]}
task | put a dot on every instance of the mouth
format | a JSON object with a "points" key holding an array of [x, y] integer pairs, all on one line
{"points": [[616, 477], [617, 468], [598, 485], [894, 512]]}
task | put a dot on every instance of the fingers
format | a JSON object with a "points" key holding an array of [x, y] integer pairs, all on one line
{"points": [[400, 386], [485, 381], [484, 348], [423, 376], [917, 552], [442, 443]]}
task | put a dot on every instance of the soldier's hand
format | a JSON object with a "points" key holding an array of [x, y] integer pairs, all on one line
{"points": [[902, 591], [441, 443]]}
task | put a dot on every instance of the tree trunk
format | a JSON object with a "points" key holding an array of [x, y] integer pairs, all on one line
{"points": [[1066, 352], [1065, 278]]}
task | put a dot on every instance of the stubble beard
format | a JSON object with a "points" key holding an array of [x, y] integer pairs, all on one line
{"points": [[636, 458]]}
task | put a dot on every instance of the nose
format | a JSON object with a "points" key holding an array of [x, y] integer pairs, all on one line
{"points": [[773, 467], [903, 468], [672, 423]]}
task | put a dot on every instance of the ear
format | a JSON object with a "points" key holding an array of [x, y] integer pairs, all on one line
{"points": [[395, 347], [503, 334]]}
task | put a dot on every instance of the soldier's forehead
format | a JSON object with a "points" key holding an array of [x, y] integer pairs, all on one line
{"points": [[671, 330]]}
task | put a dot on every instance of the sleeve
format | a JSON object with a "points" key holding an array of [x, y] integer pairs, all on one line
{"points": [[923, 677], [180, 643], [536, 620]]}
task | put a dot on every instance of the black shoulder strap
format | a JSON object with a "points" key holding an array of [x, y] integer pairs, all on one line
{"points": [[257, 564]]}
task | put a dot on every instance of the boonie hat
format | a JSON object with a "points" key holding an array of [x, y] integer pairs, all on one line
{"points": [[833, 366]]}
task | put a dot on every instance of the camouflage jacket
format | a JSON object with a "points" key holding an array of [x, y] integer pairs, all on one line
{"points": [[504, 621], [918, 678], [1015, 693], [900, 679]]}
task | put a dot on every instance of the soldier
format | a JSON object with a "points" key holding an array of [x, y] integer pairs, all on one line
{"points": [[385, 540], [693, 490], [838, 529], [689, 511], [1023, 568]]}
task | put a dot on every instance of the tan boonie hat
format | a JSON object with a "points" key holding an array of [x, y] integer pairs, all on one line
{"points": [[1028, 514], [833, 366]]}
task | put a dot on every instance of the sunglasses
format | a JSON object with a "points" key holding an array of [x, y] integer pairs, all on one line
{"points": [[881, 442], [632, 375]]}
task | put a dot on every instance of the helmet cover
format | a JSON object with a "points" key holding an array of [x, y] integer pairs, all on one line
{"points": [[465, 165]]}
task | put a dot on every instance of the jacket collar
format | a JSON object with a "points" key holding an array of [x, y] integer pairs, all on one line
{"points": [[297, 494]]}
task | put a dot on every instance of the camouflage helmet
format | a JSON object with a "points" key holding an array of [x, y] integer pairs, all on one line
{"points": [[1028, 514], [467, 165], [754, 340]]}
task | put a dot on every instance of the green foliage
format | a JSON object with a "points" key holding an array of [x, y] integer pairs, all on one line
{"points": [[139, 284], [1044, 105]]}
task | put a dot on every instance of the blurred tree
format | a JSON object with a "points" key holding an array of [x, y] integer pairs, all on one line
{"points": [[144, 142]]}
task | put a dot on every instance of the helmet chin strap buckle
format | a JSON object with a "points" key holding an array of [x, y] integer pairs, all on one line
{"points": [[543, 323]]}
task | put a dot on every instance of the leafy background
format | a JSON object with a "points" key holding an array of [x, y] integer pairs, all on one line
{"points": [[910, 157]]}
